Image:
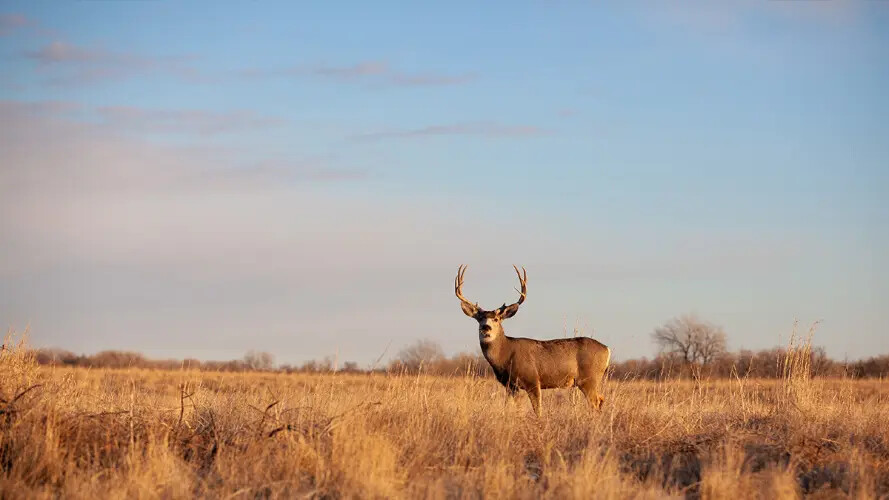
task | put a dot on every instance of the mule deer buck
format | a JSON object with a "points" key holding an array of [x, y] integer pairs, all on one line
{"points": [[532, 365]]}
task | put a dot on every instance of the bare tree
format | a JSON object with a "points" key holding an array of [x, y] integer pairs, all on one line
{"points": [[117, 359], [420, 353], [257, 360], [693, 340], [350, 367]]}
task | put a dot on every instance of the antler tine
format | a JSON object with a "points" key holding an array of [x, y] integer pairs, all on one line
{"points": [[524, 282], [457, 279], [458, 285]]}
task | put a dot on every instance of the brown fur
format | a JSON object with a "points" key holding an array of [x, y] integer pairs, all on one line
{"points": [[532, 365]]}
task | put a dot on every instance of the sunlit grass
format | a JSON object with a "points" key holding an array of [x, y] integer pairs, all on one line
{"points": [[79, 433]]}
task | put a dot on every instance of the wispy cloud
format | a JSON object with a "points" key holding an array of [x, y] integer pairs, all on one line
{"points": [[481, 129], [373, 72], [72, 64], [275, 172], [69, 64], [38, 108], [184, 120], [60, 52], [430, 79], [15, 23], [42, 137], [369, 68], [10, 23]]}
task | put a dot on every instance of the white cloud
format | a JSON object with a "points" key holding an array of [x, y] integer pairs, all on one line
{"points": [[10, 23], [69, 64], [480, 129], [184, 120], [374, 72]]}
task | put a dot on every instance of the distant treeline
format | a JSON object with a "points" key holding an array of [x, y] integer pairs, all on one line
{"points": [[766, 363], [428, 357]]}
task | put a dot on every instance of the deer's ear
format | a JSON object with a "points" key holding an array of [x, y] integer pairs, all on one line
{"points": [[469, 309], [508, 311]]}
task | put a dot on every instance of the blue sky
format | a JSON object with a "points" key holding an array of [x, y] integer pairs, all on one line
{"points": [[202, 179]]}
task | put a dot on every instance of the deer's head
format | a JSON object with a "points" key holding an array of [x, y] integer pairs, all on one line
{"points": [[490, 323]]}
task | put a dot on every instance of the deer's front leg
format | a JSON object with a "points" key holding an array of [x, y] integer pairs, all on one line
{"points": [[511, 397], [534, 396]]}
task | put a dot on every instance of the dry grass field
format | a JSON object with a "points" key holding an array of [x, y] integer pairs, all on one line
{"points": [[78, 433]]}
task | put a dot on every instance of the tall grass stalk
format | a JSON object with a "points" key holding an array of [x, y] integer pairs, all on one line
{"points": [[796, 365]]}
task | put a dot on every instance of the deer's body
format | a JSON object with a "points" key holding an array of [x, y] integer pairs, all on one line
{"points": [[532, 365]]}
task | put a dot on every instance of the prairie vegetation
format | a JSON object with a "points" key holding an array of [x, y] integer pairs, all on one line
{"points": [[136, 433]]}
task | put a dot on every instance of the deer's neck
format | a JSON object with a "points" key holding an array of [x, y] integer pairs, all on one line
{"points": [[497, 352]]}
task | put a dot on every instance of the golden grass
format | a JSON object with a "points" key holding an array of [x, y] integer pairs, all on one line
{"points": [[78, 433], [796, 369]]}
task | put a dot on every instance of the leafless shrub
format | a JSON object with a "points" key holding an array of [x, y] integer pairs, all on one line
{"points": [[693, 340], [259, 360], [421, 353]]}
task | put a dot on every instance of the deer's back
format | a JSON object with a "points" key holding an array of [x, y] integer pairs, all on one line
{"points": [[561, 362]]}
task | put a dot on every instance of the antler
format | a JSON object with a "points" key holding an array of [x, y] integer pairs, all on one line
{"points": [[458, 286], [524, 281]]}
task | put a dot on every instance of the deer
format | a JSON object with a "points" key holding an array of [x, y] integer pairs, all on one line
{"points": [[530, 365]]}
